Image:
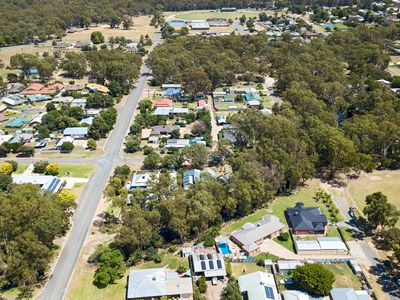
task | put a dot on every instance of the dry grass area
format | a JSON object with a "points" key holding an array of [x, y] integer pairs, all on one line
{"points": [[141, 26], [386, 182], [7, 52]]}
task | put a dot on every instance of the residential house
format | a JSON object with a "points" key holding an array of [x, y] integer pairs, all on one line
{"points": [[251, 235], [156, 283], [254, 104], [191, 177], [40, 89], [15, 88], [5, 138], [167, 86], [94, 87], [306, 220], [165, 102], [76, 132], [88, 121], [348, 294], [66, 139], [46, 182], [175, 93], [228, 9], [252, 96], [38, 98], [13, 100], [21, 138], [77, 87], [209, 265], [202, 104], [62, 45], [3, 118], [163, 130], [177, 143], [140, 181], [295, 295], [221, 120], [92, 112], [18, 122], [228, 132], [81, 102], [82, 44], [258, 286]]}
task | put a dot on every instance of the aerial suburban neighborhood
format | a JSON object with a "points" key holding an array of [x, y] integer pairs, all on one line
{"points": [[200, 150]]}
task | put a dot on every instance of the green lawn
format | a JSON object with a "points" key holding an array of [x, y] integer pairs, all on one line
{"points": [[239, 269], [304, 195], [169, 261], [21, 169], [332, 232], [264, 255], [287, 244], [212, 14], [238, 224], [77, 170], [347, 234], [344, 276]]}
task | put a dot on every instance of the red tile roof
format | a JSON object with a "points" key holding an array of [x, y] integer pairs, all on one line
{"points": [[202, 103], [40, 89], [163, 103]]}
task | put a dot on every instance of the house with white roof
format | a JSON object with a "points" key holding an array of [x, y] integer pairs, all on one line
{"points": [[156, 283], [210, 265], [285, 266], [140, 181], [46, 182], [258, 286], [295, 295], [349, 294], [191, 177], [76, 132], [251, 235]]}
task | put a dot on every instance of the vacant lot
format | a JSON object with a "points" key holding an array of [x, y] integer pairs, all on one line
{"points": [[344, 277], [202, 15], [77, 170], [386, 182], [141, 27], [239, 269]]}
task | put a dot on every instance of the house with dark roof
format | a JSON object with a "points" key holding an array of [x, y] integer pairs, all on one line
{"points": [[306, 220]]}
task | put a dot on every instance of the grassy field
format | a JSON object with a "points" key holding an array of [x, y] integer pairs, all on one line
{"points": [[75, 170], [238, 224], [245, 268], [386, 182], [344, 277], [21, 169], [202, 15], [304, 195]]}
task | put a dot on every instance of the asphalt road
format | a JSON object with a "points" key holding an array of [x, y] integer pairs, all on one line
{"points": [[56, 286]]}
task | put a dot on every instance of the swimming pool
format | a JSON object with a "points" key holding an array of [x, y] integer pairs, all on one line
{"points": [[224, 247]]}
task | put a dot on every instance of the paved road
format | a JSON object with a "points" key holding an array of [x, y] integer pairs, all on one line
{"points": [[91, 196]]}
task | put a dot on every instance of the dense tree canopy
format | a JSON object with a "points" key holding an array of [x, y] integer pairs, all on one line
{"points": [[30, 221]]}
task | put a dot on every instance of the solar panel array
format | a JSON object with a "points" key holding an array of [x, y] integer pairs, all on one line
{"points": [[269, 292]]}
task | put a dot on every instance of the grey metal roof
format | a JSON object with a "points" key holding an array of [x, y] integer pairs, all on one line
{"points": [[252, 232], [306, 218], [258, 286], [156, 283], [345, 294], [76, 131]]}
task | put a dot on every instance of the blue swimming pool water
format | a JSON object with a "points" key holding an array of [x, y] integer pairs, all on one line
{"points": [[224, 248], [331, 26]]}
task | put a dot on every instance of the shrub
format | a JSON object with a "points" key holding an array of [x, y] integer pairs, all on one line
{"points": [[315, 278], [202, 284], [284, 236], [6, 168], [40, 166], [52, 169], [67, 147], [14, 164]]}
